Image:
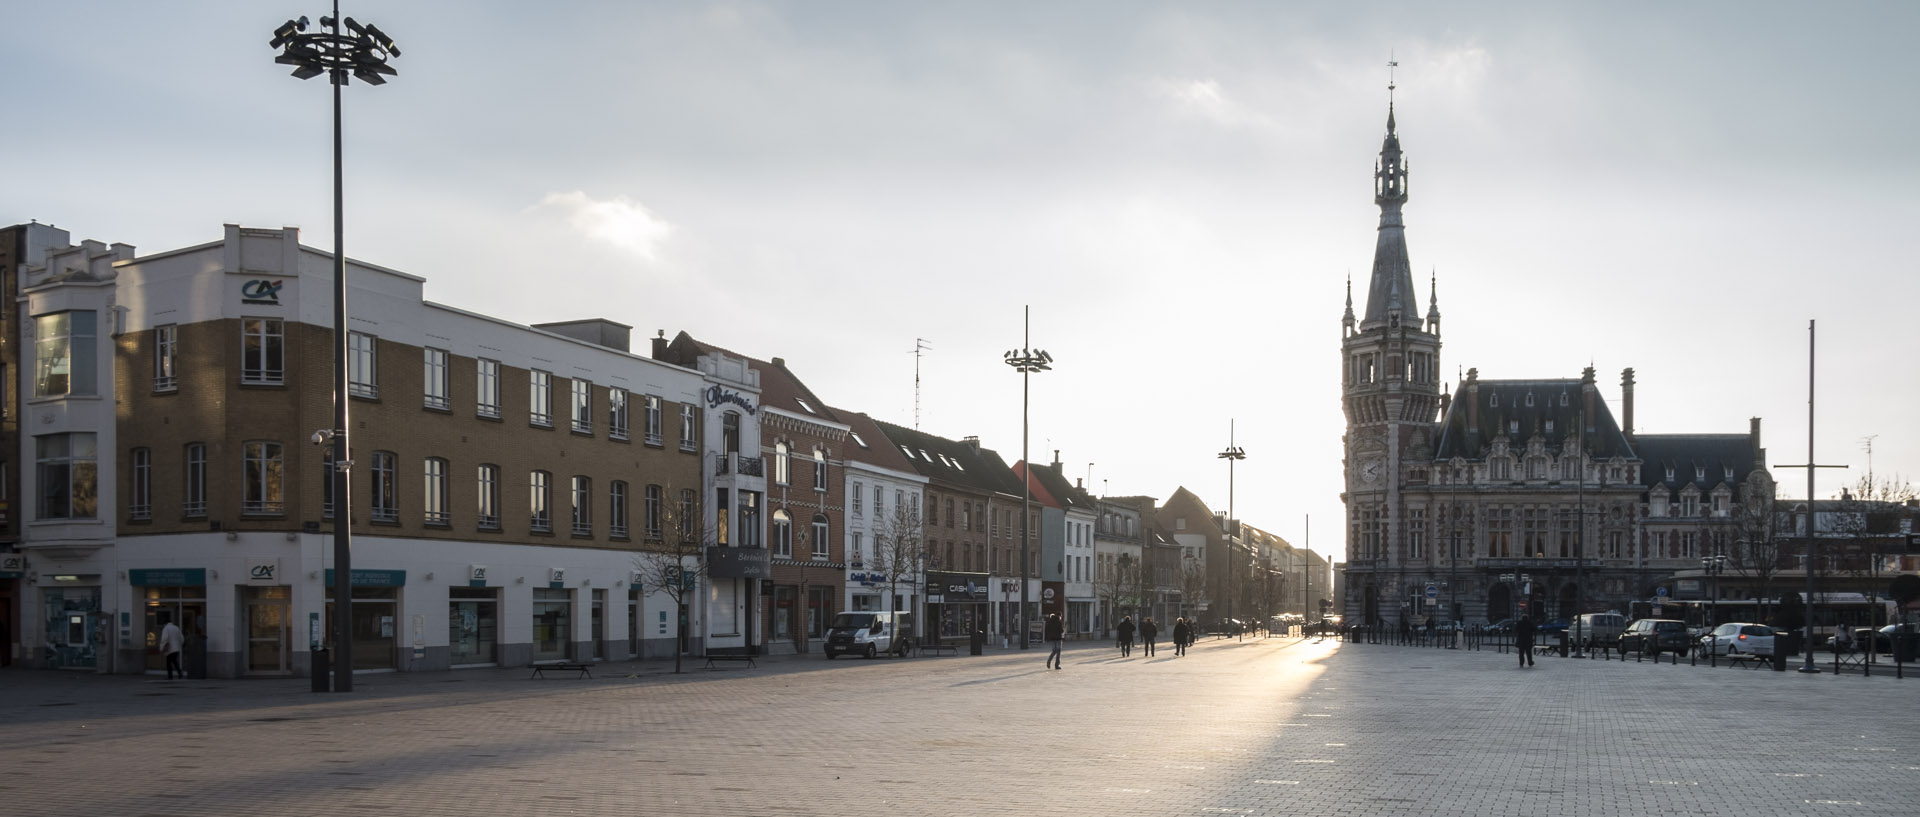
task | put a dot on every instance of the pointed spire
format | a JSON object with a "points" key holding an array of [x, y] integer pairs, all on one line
{"points": [[1348, 320], [1433, 302], [1392, 273]]}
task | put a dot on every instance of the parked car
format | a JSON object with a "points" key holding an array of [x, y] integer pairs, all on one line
{"points": [[1552, 626], [1652, 636], [1504, 625], [869, 634], [1738, 638]]}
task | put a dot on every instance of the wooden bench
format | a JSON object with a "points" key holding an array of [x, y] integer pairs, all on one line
{"points": [[1749, 660], [730, 655], [585, 670], [936, 647]]}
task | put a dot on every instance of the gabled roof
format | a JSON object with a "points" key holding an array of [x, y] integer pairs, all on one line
{"points": [[1533, 405], [1036, 485], [869, 444], [953, 462], [1700, 460], [1063, 493]]}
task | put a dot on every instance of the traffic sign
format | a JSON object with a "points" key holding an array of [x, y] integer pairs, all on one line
{"points": [[1660, 591], [1433, 591]]}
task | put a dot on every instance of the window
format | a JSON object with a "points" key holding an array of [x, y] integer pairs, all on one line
{"points": [[363, 373], [582, 506], [859, 550], [879, 502], [195, 490], [820, 541], [653, 420], [434, 392], [487, 511], [140, 504], [858, 501], [1416, 533], [68, 469], [540, 398], [933, 512], [487, 388], [580, 408], [616, 413], [653, 510], [950, 513], [750, 519], [326, 483], [1615, 549], [434, 499], [730, 432], [262, 351], [617, 510], [689, 512], [166, 357], [782, 534], [540, 501], [386, 500], [262, 479], [782, 464], [689, 429], [819, 470], [64, 354]]}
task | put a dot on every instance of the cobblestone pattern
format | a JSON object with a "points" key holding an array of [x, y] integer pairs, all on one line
{"points": [[1276, 726]]}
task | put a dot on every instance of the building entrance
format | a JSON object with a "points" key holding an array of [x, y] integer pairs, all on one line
{"points": [[269, 630], [184, 606]]}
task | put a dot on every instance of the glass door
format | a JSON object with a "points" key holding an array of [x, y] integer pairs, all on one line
{"points": [[269, 630]]}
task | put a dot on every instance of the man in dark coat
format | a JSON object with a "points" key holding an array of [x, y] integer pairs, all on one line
{"points": [[1056, 634], [1181, 631], [1523, 639], [1125, 631], [1148, 632]]}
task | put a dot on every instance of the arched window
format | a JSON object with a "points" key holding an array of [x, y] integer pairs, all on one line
{"points": [[782, 534], [782, 464], [820, 541]]}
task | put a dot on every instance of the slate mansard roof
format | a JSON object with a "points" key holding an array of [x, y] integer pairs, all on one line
{"points": [[955, 462], [1550, 408]]}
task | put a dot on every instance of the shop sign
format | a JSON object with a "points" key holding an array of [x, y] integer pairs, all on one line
{"points": [[476, 575], [263, 570], [716, 396], [556, 578], [168, 577], [12, 565], [372, 578], [956, 587], [261, 291], [739, 563]]}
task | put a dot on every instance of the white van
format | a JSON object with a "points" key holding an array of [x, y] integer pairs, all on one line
{"points": [[869, 634], [1597, 629]]}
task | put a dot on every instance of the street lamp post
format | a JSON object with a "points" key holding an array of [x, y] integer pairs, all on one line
{"points": [[364, 51], [1232, 455], [1026, 360]]}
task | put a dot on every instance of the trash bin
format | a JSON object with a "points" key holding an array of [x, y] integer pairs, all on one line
{"points": [[196, 657], [322, 668], [977, 643], [1905, 647], [1779, 659], [1563, 643]]}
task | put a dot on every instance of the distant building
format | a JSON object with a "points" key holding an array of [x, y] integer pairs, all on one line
{"points": [[1508, 497]]}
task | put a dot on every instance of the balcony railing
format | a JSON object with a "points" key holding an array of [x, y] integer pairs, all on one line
{"points": [[734, 463]]}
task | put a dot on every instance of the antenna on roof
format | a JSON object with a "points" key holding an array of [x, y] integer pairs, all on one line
{"points": [[1867, 443], [919, 345]]}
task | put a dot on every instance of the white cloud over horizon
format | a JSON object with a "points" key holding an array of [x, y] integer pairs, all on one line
{"points": [[620, 222]]}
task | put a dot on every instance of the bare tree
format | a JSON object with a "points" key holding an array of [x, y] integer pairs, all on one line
{"points": [[1193, 584], [672, 559], [899, 548], [1757, 544], [1115, 586]]}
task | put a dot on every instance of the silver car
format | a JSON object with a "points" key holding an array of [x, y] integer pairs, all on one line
{"points": [[1738, 638]]}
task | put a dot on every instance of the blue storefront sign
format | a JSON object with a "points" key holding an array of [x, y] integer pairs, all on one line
{"points": [[168, 577], [373, 578]]}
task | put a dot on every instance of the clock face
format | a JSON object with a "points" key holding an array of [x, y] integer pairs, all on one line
{"points": [[1370, 471]]}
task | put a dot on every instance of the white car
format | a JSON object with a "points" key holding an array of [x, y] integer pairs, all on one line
{"points": [[1738, 638]]}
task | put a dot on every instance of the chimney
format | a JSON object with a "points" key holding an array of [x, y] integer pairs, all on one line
{"points": [[1588, 394], [1753, 438], [1473, 401], [1056, 459], [780, 363], [660, 345], [1626, 402], [971, 441]]}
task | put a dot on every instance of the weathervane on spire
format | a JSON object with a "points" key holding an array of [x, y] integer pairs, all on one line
{"points": [[1391, 64]]}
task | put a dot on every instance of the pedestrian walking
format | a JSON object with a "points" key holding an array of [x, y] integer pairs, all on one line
{"points": [[1181, 630], [1057, 635], [172, 641], [1523, 639], [1148, 632], [1125, 631]]}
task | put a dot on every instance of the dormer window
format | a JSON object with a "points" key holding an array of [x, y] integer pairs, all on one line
{"points": [[1700, 473], [1669, 473], [1563, 398], [1549, 426], [1513, 428], [1529, 399], [1493, 400], [1729, 478]]}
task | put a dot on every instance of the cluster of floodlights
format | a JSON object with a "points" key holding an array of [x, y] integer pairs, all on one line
{"points": [[1029, 360], [363, 50]]}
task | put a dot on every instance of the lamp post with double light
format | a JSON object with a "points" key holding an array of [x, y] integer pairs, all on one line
{"points": [[1233, 454], [344, 48], [1026, 360]]}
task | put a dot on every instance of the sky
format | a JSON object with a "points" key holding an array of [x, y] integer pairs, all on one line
{"points": [[1178, 191]]}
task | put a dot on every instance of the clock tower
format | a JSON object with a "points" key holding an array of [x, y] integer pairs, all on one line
{"points": [[1390, 362]]}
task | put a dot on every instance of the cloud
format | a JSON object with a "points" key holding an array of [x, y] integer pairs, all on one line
{"points": [[1205, 98], [620, 221]]}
